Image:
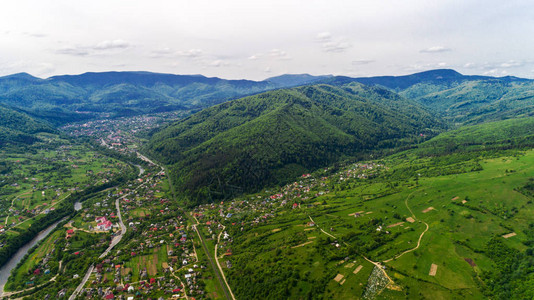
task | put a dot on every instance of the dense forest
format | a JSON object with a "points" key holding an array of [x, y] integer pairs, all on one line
{"points": [[17, 127], [270, 138]]}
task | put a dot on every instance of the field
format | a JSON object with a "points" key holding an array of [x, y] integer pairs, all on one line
{"points": [[35, 181], [441, 254]]}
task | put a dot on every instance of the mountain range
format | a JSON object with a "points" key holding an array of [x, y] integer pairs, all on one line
{"points": [[60, 99], [272, 137]]}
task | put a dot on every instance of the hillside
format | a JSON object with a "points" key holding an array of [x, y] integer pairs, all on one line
{"points": [[17, 127], [453, 225], [477, 101], [68, 98], [245, 144], [459, 99]]}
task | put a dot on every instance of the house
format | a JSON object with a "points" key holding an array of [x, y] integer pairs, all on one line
{"points": [[100, 219], [105, 225], [70, 231], [109, 296]]}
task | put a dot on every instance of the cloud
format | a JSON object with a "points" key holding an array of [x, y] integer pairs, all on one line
{"points": [[496, 72], [323, 36], [170, 53], [511, 64], [218, 63], [190, 53], [362, 62], [34, 34], [273, 54], [470, 65], [76, 51], [435, 49], [336, 47], [427, 66], [99, 48], [115, 44], [331, 44]]}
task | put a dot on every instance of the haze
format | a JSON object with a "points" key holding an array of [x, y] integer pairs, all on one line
{"points": [[259, 39]]}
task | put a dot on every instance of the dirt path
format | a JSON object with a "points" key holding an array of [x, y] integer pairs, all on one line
{"points": [[219, 265], [377, 264], [303, 244], [420, 237]]}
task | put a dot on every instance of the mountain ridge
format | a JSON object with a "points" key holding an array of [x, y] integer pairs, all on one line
{"points": [[273, 136]]}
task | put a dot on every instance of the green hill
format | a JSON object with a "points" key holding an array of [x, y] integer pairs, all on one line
{"points": [[512, 133], [128, 93], [18, 127], [459, 99], [245, 144]]}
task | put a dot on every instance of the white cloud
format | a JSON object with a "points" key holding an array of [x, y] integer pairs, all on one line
{"points": [[34, 34], [115, 44], [436, 49], [271, 54], [76, 51], [470, 65], [362, 62], [218, 63], [324, 36], [190, 53], [496, 72], [337, 46], [104, 47], [331, 44], [511, 64]]}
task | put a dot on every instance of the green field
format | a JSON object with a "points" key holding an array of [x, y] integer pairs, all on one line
{"points": [[463, 210]]}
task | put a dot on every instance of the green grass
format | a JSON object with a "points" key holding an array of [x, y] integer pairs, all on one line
{"points": [[456, 231]]}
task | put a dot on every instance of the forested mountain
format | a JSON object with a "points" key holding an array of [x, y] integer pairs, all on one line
{"points": [[73, 97], [269, 138], [459, 98], [18, 127]]}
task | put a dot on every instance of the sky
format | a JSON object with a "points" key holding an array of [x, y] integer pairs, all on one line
{"points": [[257, 39]]}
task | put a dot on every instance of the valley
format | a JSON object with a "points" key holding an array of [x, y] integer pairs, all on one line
{"points": [[335, 190]]}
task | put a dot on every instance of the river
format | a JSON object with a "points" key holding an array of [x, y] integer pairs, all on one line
{"points": [[5, 271]]}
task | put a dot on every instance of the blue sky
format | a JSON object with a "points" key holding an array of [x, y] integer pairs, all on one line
{"points": [[256, 39]]}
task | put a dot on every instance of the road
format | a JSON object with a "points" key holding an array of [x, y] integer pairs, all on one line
{"points": [[219, 265], [224, 287], [215, 270], [116, 239], [377, 264], [420, 237]]}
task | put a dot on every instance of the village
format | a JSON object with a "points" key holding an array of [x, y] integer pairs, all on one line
{"points": [[158, 259], [157, 250], [36, 183], [120, 134]]}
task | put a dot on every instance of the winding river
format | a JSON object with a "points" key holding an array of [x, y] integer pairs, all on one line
{"points": [[5, 271]]}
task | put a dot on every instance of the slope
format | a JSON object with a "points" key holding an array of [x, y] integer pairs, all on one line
{"points": [[17, 127], [269, 138], [70, 98], [460, 99]]}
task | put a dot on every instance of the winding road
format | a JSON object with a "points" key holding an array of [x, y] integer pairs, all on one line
{"points": [[219, 265], [116, 239], [215, 270], [420, 237]]}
